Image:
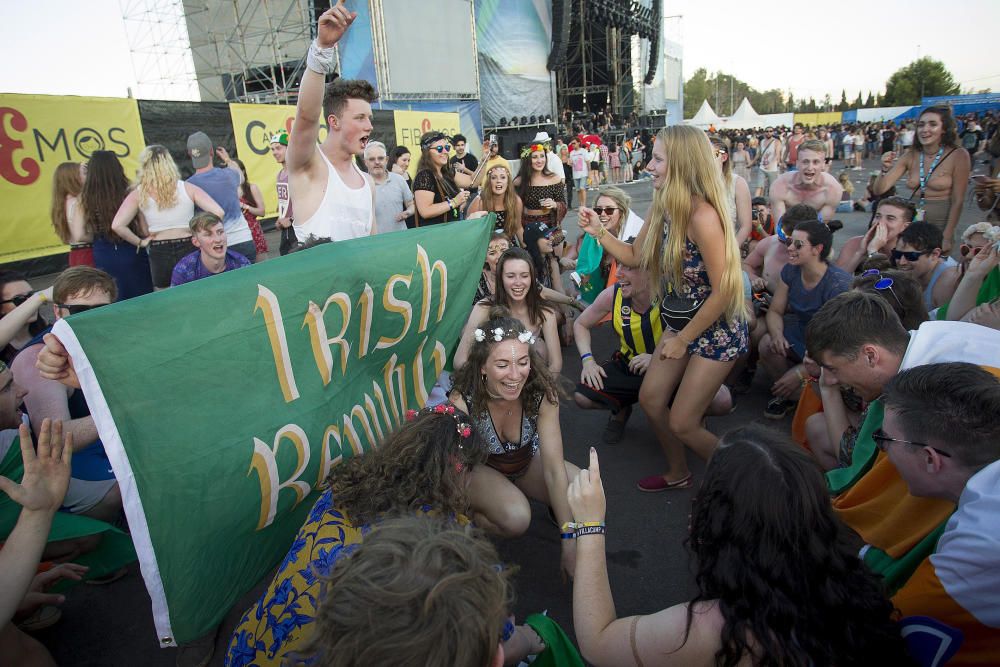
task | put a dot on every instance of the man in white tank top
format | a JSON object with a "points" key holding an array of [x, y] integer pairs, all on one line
{"points": [[331, 196]]}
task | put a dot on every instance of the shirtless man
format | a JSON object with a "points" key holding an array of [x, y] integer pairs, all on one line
{"points": [[809, 184], [769, 256], [893, 215], [331, 196]]}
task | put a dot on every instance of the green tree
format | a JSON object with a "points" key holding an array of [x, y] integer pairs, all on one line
{"points": [[842, 105], [925, 77], [870, 102], [790, 103], [695, 91], [857, 104]]}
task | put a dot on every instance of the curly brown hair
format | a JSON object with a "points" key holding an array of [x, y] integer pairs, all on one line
{"points": [[429, 592], [468, 380], [416, 464]]}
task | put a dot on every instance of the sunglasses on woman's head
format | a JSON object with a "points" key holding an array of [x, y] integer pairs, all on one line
{"points": [[909, 255], [607, 210], [883, 283], [556, 236], [441, 149], [18, 299]]}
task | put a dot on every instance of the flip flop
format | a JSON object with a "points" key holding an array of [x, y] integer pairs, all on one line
{"points": [[656, 483]]}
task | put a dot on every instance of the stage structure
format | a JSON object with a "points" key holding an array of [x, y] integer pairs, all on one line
{"points": [[593, 56]]}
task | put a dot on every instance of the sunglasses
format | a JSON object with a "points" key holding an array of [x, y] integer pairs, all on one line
{"points": [[967, 250], [794, 242], [609, 210], [909, 255], [720, 151], [18, 299], [441, 149], [882, 442], [883, 283], [75, 309]]}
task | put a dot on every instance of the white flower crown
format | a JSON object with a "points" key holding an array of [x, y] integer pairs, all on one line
{"points": [[499, 334]]}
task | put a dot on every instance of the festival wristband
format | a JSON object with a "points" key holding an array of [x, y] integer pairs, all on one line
{"points": [[589, 523], [591, 530], [568, 536], [320, 60], [586, 355]]}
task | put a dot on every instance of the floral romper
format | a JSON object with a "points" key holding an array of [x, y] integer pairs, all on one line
{"points": [[724, 340]]}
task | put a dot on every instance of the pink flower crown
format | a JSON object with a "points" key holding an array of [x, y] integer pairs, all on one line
{"points": [[462, 427]]}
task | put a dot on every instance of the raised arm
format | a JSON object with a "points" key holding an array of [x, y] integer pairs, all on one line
{"points": [[478, 315], [12, 322], [892, 171], [301, 156], [204, 201], [967, 292], [48, 398], [834, 192]]}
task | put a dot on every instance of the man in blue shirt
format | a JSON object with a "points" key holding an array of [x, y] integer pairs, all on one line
{"points": [[208, 235], [222, 185]]}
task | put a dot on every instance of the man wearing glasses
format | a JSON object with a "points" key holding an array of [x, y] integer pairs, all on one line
{"points": [[941, 430], [393, 199], [918, 251], [893, 215], [93, 490]]}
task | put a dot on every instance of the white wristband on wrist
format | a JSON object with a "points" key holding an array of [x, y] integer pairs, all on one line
{"points": [[319, 60]]}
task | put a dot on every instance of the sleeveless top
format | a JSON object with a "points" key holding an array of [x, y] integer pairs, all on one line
{"points": [[638, 332], [344, 213], [536, 193], [506, 457], [929, 290], [176, 217]]}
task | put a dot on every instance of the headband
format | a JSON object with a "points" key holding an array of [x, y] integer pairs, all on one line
{"points": [[534, 148], [431, 138], [499, 334], [461, 427]]}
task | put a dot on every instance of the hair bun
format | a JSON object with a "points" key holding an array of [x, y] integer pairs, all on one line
{"points": [[834, 225]]}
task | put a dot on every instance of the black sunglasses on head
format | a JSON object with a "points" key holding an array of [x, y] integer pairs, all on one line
{"points": [[18, 299], [78, 308]]}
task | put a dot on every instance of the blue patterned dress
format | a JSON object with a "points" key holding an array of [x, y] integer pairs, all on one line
{"points": [[724, 340], [279, 625]]}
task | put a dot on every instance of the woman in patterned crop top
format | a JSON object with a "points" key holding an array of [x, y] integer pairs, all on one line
{"points": [[513, 401], [542, 192]]}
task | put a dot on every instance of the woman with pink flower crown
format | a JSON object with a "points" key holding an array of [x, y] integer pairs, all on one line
{"points": [[512, 399]]}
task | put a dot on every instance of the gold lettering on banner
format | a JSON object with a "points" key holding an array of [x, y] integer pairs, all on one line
{"points": [[327, 459], [397, 391], [315, 320], [418, 368], [264, 463], [428, 269], [273, 322], [365, 328], [393, 305], [357, 412]]}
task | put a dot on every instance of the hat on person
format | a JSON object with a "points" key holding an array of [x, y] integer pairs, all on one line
{"points": [[199, 147], [280, 137], [541, 137]]}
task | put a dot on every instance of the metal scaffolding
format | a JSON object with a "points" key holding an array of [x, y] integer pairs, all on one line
{"points": [[227, 50], [158, 42]]}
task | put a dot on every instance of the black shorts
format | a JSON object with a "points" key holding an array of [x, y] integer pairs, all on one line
{"points": [[594, 166], [621, 386], [164, 255]]}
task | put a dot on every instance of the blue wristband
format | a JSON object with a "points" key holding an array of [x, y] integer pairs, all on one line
{"points": [[583, 357]]}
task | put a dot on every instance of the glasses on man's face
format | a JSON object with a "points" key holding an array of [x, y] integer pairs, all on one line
{"points": [[908, 255], [607, 210], [882, 442], [18, 299], [441, 149], [794, 243], [77, 308]]}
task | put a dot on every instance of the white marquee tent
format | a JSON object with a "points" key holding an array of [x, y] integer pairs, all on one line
{"points": [[706, 116]]}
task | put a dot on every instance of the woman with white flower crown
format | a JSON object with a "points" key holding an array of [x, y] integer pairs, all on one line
{"points": [[513, 401]]}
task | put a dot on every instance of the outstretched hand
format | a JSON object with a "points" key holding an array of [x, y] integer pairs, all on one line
{"points": [[588, 220], [333, 24], [46, 474]]}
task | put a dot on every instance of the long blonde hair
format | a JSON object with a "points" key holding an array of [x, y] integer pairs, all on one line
{"points": [[512, 218], [157, 177], [691, 172], [65, 183]]}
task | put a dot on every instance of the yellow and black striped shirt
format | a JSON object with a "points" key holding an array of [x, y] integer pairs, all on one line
{"points": [[639, 332]]}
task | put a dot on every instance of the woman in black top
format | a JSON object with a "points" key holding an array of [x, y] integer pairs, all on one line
{"points": [[439, 192]]}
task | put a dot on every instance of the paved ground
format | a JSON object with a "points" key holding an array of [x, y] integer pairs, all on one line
{"points": [[648, 565]]}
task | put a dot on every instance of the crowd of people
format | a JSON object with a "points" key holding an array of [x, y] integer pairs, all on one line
{"points": [[858, 537]]}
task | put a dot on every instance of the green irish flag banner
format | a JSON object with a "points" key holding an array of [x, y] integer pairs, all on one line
{"points": [[224, 403]]}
